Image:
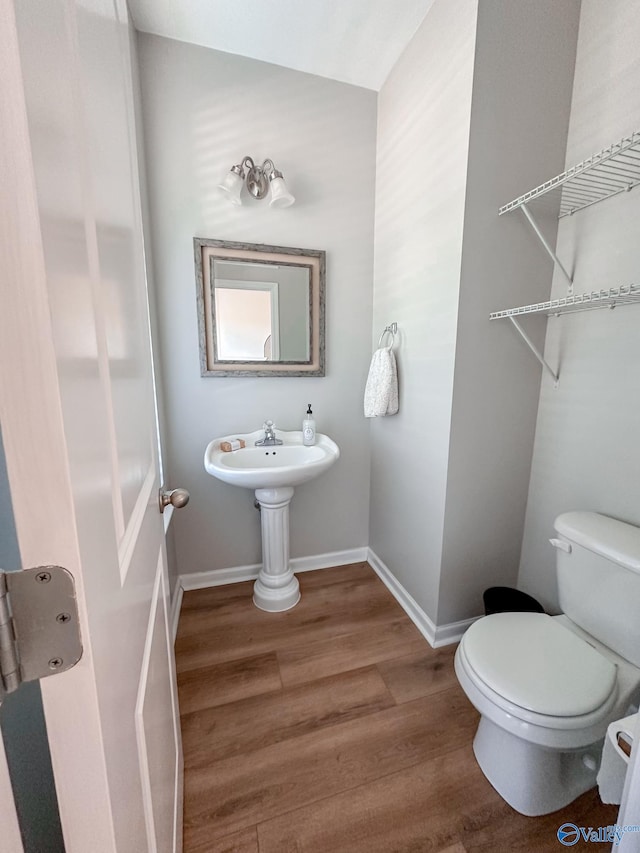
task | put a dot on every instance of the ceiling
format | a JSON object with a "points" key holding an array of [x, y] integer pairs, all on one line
{"points": [[354, 41]]}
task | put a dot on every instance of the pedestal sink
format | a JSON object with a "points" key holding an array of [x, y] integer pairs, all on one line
{"points": [[272, 471]]}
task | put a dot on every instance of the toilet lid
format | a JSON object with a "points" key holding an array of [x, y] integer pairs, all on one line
{"points": [[534, 662]]}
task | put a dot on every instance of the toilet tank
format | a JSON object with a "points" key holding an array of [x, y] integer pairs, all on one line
{"points": [[598, 562]]}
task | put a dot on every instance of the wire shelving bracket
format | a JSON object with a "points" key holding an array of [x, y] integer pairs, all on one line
{"points": [[614, 170], [624, 295]]}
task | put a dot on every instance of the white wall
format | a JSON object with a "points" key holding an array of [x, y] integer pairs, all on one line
{"points": [[586, 452], [203, 110], [523, 73], [423, 135]]}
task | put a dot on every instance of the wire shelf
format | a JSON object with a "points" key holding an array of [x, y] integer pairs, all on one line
{"points": [[613, 170], [624, 295]]}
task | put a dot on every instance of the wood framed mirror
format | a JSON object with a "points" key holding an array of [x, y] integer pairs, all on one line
{"points": [[260, 309]]}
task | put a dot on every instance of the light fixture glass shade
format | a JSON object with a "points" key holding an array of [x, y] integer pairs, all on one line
{"points": [[232, 186], [280, 195]]}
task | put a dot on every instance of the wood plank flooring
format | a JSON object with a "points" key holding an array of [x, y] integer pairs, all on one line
{"points": [[335, 728]]}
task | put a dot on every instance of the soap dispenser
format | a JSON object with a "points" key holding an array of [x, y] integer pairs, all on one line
{"points": [[308, 428]]}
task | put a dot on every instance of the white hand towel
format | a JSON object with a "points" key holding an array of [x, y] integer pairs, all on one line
{"points": [[381, 392]]}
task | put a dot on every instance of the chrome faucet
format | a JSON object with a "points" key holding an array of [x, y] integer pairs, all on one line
{"points": [[269, 439]]}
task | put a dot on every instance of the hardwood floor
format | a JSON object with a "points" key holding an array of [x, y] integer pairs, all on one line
{"points": [[335, 728]]}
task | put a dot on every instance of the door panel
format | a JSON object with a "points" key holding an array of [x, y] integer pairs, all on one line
{"points": [[76, 403], [157, 722], [108, 126]]}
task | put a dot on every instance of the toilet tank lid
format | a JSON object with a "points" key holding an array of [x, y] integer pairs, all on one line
{"points": [[615, 540]]}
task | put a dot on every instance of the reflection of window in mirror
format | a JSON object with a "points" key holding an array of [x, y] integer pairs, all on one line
{"points": [[246, 317]]}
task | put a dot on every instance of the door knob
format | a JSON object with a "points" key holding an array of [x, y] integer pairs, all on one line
{"points": [[176, 497]]}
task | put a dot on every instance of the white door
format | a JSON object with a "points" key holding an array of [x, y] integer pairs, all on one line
{"points": [[78, 418]]}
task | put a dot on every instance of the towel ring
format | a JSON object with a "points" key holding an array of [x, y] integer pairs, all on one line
{"points": [[389, 330]]}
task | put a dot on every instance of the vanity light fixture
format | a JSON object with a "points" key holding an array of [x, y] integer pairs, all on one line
{"points": [[259, 180]]}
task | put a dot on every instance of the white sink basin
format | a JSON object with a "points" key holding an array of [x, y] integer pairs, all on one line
{"points": [[286, 464]]}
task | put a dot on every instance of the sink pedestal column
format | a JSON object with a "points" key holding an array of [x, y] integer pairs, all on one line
{"points": [[277, 587]]}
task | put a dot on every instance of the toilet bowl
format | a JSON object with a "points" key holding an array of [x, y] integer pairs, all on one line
{"points": [[547, 688]]}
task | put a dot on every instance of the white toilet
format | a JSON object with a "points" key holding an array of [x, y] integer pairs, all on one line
{"points": [[548, 686]]}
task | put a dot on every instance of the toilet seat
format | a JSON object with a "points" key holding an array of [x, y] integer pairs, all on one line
{"points": [[536, 665], [542, 729]]}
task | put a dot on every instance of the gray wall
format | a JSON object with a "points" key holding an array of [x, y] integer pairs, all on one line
{"points": [[586, 452], [9, 551], [172, 561], [474, 113], [423, 136], [524, 61], [203, 110]]}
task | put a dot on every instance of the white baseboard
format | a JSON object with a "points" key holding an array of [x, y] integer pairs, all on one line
{"points": [[452, 632], [219, 577], [436, 635], [327, 561], [406, 601], [237, 574], [176, 604]]}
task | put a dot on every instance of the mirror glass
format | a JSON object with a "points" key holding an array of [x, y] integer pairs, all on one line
{"points": [[260, 308]]}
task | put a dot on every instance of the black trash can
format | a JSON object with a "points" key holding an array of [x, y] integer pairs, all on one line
{"points": [[505, 599]]}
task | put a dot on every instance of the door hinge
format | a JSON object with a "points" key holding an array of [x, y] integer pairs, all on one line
{"points": [[39, 628]]}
